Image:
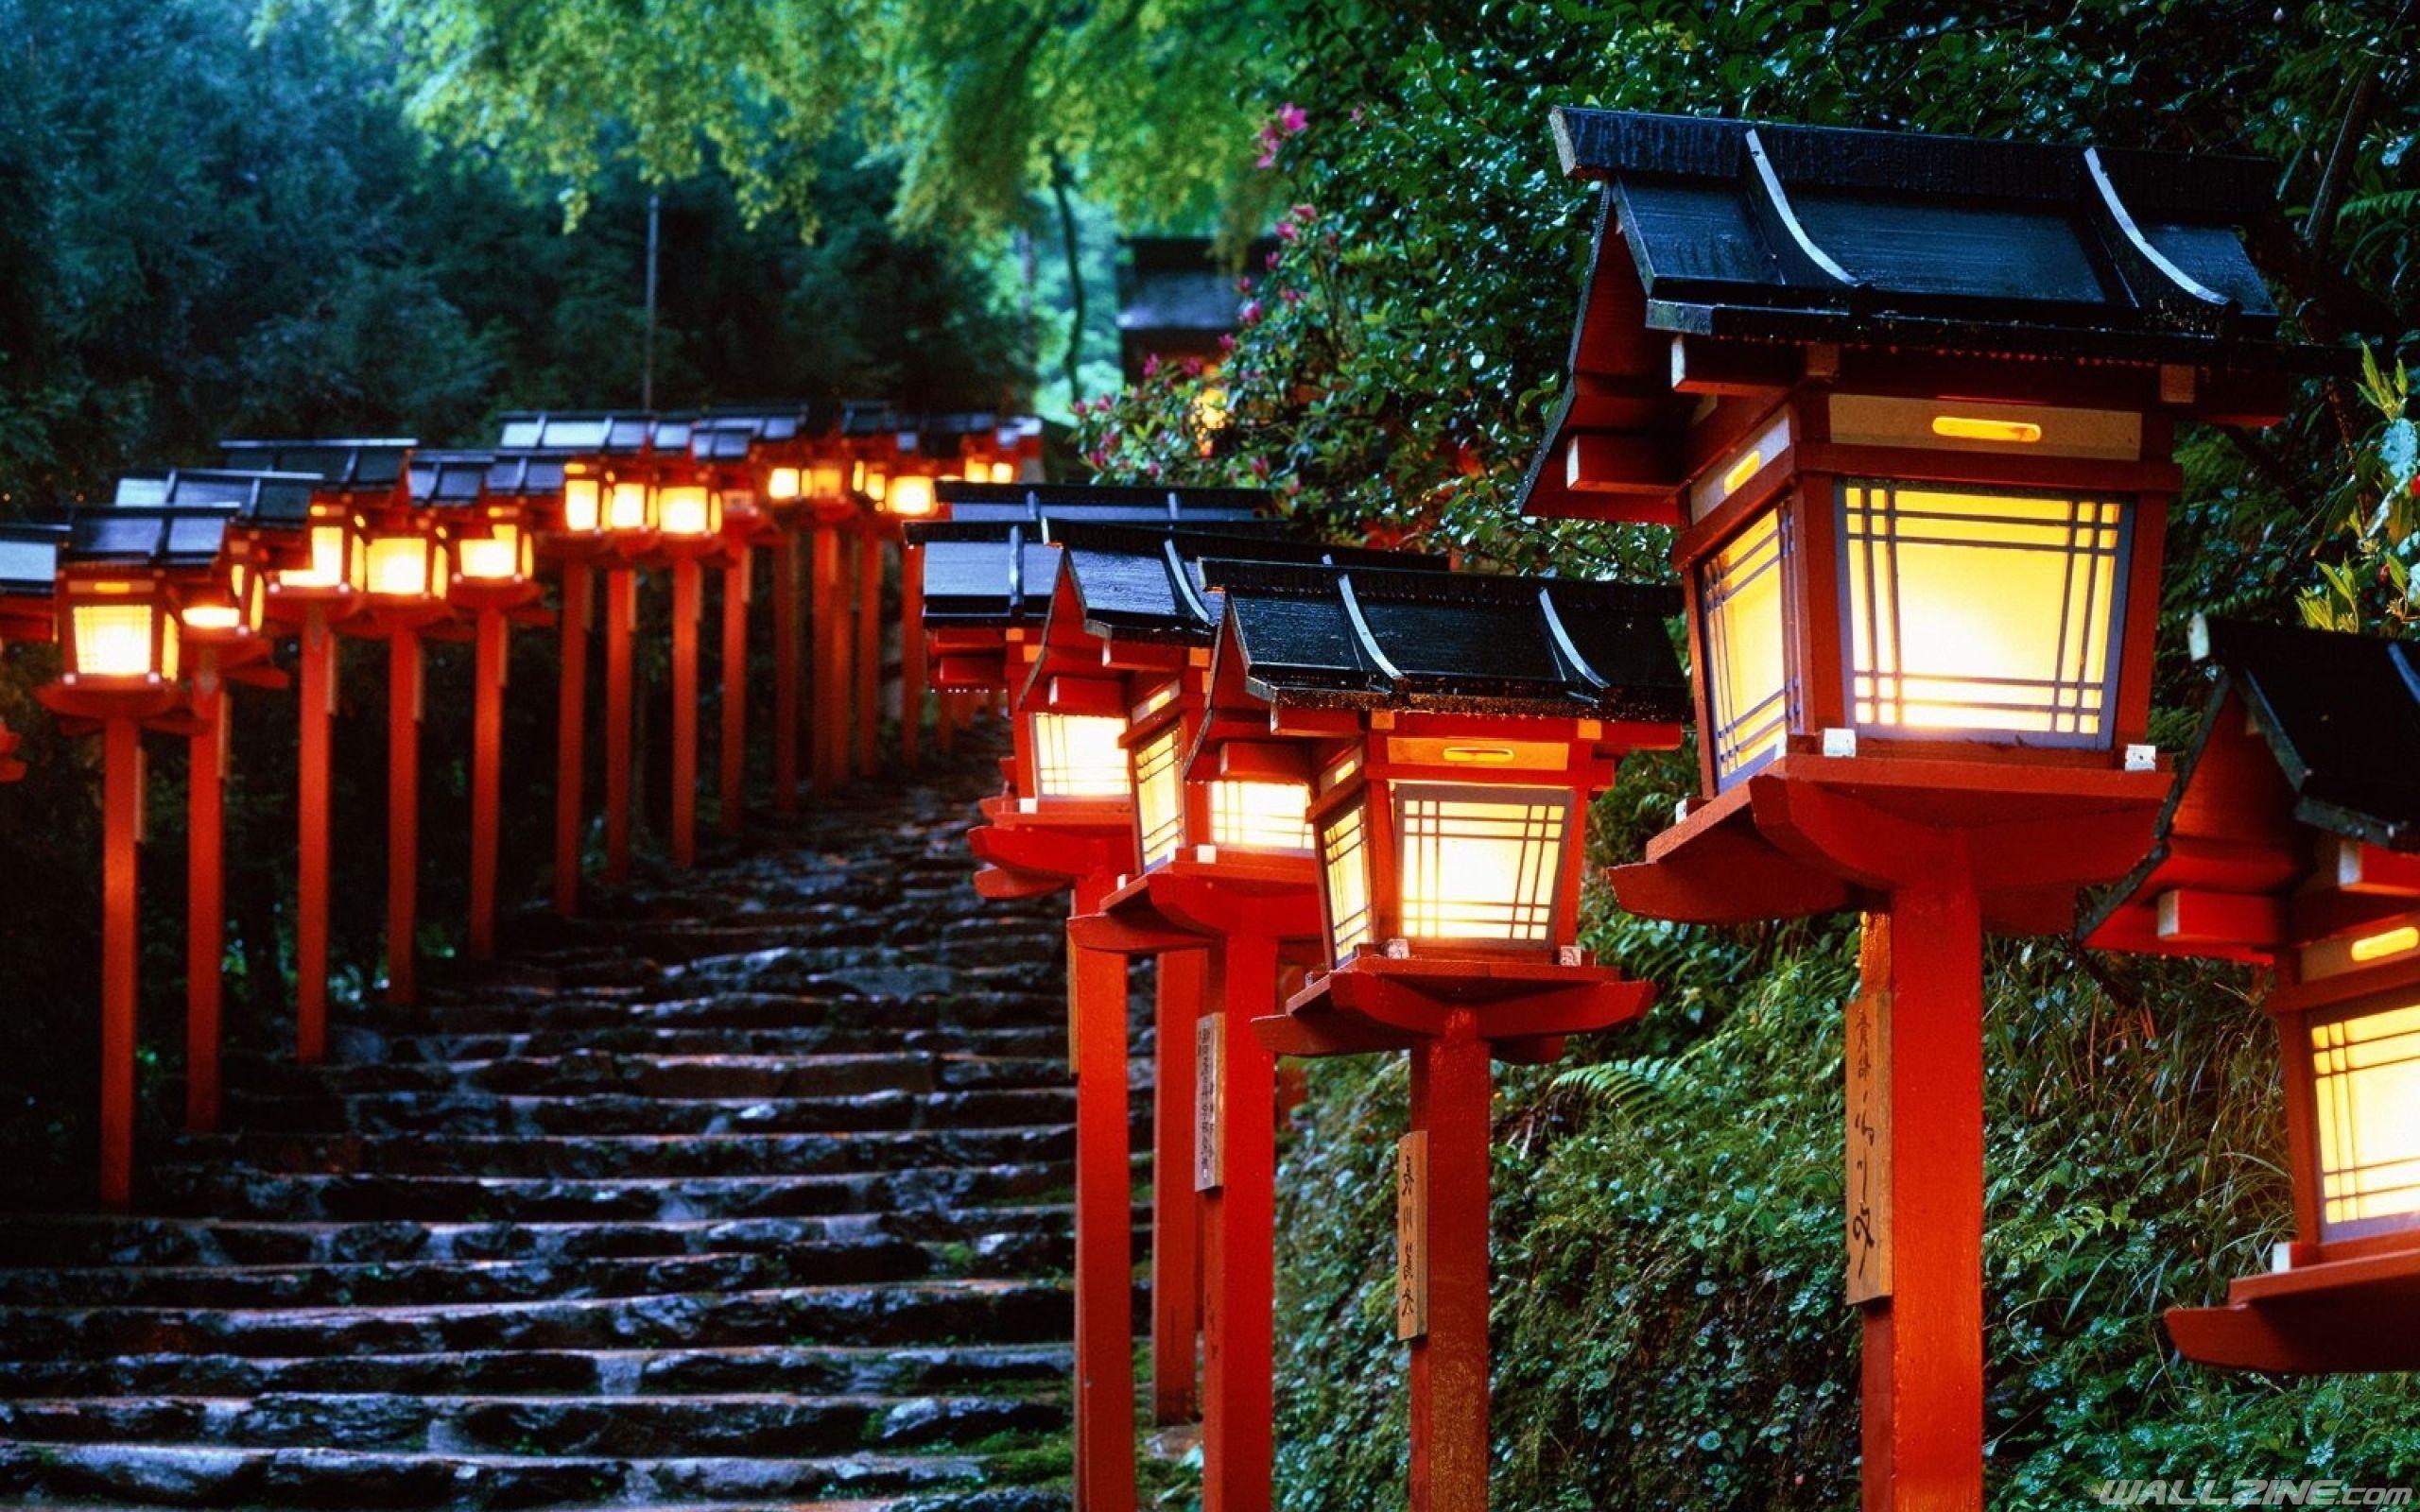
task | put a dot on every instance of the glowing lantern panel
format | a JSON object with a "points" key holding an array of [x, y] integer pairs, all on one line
{"points": [[1747, 674], [1481, 863], [783, 484], [1159, 797], [1260, 815], [689, 509], [583, 505], [123, 637], [399, 567], [335, 560], [911, 494], [1981, 613], [497, 558], [2365, 1074], [1079, 756], [1004, 472], [629, 506], [1345, 875]]}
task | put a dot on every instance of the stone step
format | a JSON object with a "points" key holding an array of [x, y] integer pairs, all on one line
{"points": [[651, 1075], [793, 1369], [926, 1312], [754, 1426], [492, 1009], [40, 1242], [608, 1156], [201, 1477], [216, 1191], [860, 1033], [407, 1113]]}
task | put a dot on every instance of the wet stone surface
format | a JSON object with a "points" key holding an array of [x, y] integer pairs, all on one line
{"points": [[746, 1190]]}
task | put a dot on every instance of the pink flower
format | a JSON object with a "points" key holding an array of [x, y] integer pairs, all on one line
{"points": [[1306, 213], [1227, 341], [1151, 365], [1273, 262], [1260, 467], [1286, 232], [1291, 296], [1193, 366], [1268, 140], [1250, 313], [1243, 285], [1290, 117]]}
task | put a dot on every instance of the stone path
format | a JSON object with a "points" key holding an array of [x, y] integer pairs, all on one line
{"points": [[749, 1192]]}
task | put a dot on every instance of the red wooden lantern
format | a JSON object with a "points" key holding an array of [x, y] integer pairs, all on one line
{"points": [[28, 583], [491, 573], [1437, 739], [690, 537], [1128, 628], [121, 659], [312, 600], [2289, 843], [1918, 476], [792, 465], [223, 618], [608, 520], [737, 453]]}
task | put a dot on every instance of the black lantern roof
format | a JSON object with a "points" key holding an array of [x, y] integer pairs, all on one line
{"points": [[1338, 636], [867, 417], [1724, 249], [147, 536], [526, 472], [261, 499], [450, 478], [341, 466], [1073, 503], [725, 435], [1795, 232], [1141, 584], [590, 432], [1176, 299], [29, 559], [2307, 730], [985, 576]]}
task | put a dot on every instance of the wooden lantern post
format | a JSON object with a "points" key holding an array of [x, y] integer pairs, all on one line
{"points": [[1130, 629], [120, 670], [741, 456], [689, 536], [577, 543], [1919, 484], [496, 503], [833, 509], [2290, 843], [1423, 813], [311, 600]]}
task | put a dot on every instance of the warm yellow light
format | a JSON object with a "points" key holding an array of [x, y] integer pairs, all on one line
{"points": [[211, 617], [912, 494], [1747, 670], [1004, 472], [114, 641], [1260, 815], [1742, 471], [1480, 755], [1210, 410], [399, 567], [628, 508], [328, 563], [688, 509], [1079, 756], [1974, 428], [1981, 613], [1344, 880], [2366, 1081], [1481, 862], [781, 485], [493, 559], [827, 479], [582, 511], [877, 484], [1159, 797], [2391, 942]]}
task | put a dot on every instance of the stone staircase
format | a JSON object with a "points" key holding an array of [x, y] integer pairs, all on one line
{"points": [[747, 1190]]}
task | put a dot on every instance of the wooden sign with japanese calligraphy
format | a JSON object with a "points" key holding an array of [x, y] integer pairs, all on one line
{"points": [[1868, 1191], [1209, 1081], [1411, 1235]]}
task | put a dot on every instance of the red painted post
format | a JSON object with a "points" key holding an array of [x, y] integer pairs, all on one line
{"points": [[829, 731], [1104, 1225], [1176, 1211], [621, 611], [402, 815], [946, 724], [912, 652], [1451, 1092], [689, 589], [1238, 1239], [786, 635], [121, 836], [205, 890], [1923, 1367], [869, 698], [490, 655], [571, 729], [732, 756], [316, 708]]}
